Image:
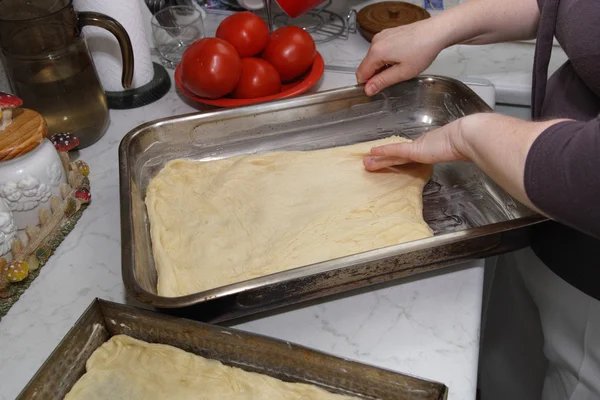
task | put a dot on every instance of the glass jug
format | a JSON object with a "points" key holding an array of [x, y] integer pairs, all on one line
{"points": [[50, 68]]}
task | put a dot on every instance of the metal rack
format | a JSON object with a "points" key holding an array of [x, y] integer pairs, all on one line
{"points": [[322, 24]]}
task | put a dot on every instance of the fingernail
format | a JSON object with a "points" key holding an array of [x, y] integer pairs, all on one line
{"points": [[371, 89]]}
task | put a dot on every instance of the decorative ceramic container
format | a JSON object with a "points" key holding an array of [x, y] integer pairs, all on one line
{"points": [[28, 181], [8, 230], [42, 195]]}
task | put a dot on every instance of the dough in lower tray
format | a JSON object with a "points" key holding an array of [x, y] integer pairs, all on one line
{"points": [[125, 368], [225, 221]]}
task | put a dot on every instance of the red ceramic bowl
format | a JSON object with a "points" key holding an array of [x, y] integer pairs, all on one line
{"points": [[291, 89]]}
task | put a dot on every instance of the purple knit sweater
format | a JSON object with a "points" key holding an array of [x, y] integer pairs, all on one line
{"points": [[562, 171]]}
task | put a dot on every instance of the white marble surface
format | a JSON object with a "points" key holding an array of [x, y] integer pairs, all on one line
{"points": [[425, 327]]}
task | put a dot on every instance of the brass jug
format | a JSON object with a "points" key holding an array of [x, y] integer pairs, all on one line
{"points": [[49, 65]]}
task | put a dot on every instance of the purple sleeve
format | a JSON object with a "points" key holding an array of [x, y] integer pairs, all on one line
{"points": [[562, 174]]}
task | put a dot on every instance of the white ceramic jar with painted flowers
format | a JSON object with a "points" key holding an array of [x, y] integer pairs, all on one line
{"points": [[31, 170]]}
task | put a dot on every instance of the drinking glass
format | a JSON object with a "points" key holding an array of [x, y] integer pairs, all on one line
{"points": [[174, 29]]}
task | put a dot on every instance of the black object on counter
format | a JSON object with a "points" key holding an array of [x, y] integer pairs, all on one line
{"points": [[149, 93]]}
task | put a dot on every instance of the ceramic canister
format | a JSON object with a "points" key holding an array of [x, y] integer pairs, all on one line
{"points": [[27, 182], [8, 230]]}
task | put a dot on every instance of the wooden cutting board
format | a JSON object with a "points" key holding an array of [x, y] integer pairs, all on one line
{"points": [[26, 131], [376, 17]]}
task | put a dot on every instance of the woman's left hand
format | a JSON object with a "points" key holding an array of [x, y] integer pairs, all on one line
{"points": [[441, 145], [497, 144]]}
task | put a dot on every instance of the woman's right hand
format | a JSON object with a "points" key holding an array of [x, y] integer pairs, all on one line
{"points": [[399, 54]]}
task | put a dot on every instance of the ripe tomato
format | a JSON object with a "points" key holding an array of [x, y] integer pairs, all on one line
{"points": [[259, 79], [247, 32], [210, 68], [291, 50]]}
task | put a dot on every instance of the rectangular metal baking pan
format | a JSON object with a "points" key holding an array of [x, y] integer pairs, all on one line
{"points": [[251, 352], [471, 216]]}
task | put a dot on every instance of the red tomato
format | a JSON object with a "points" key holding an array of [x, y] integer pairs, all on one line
{"points": [[291, 50], [259, 79], [210, 68], [247, 32]]}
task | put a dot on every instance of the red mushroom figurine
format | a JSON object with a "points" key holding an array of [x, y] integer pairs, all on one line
{"points": [[8, 102], [83, 194], [64, 141]]}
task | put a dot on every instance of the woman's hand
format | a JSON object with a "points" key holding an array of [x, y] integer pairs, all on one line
{"points": [[497, 144], [441, 145], [399, 54]]}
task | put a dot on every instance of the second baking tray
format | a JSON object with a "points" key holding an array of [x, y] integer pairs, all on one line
{"points": [[251, 352], [470, 215]]}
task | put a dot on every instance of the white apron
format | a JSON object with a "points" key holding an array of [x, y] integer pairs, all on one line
{"points": [[541, 336]]}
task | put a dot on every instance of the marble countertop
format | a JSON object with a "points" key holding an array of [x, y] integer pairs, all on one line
{"points": [[425, 327]]}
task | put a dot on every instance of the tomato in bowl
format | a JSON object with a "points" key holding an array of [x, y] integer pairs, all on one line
{"points": [[210, 68], [290, 89], [247, 32], [258, 79], [290, 50], [245, 64]]}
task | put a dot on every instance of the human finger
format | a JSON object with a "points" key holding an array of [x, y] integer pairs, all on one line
{"points": [[372, 62], [432, 147], [374, 163], [395, 150], [387, 77]]}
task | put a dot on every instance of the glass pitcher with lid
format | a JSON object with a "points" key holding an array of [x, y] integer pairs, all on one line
{"points": [[49, 66]]}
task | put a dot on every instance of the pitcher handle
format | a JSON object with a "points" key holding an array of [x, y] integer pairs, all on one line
{"points": [[114, 27]]}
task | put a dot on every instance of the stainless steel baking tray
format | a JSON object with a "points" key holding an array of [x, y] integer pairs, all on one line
{"points": [[282, 360], [470, 215]]}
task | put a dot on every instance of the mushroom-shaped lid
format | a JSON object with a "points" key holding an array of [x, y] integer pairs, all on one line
{"points": [[9, 100], [64, 141], [26, 131]]}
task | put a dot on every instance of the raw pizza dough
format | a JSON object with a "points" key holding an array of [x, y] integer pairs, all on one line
{"points": [[125, 368], [220, 222]]}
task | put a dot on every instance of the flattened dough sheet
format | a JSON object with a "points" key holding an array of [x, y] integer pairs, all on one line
{"points": [[225, 221], [125, 368]]}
